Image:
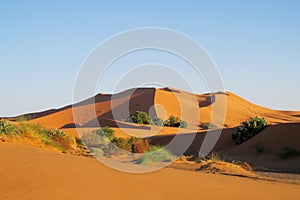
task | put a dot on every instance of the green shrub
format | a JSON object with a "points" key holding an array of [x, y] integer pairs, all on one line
{"points": [[156, 154], [57, 132], [158, 121], [100, 139], [173, 121], [183, 124], [94, 140], [99, 153], [249, 129], [123, 143], [139, 145], [55, 138], [140, 117], [288, 152], [107, 132], [208, 125], [7, 128]]}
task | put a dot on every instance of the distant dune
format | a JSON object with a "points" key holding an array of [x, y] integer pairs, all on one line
{"points": [[161, 103]]}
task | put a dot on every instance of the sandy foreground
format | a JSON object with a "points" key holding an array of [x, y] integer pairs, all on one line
{"points": [[33, 173]]}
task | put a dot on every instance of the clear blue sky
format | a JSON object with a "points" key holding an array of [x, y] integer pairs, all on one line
{"points": [[255, 44]]}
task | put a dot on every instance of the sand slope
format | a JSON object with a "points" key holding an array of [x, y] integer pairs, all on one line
{"points": [[41, 174], [111, 110], [195, 109]]}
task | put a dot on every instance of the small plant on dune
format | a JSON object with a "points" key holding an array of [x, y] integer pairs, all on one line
{"points": [[140, 117], [107, 132], [138, 145], [57, 132], [123, 143], [183, 124], [141, 145], [208, 125], [99, 153], [213, 157], [21, 118], [55, 138], [173, 121], [288, 152], [105, 140], [249, 129], [155, 154], [158, 121], [94, 140], [7, 128]]}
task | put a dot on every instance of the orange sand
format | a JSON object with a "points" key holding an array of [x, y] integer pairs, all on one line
{"points": [[31, 173]]}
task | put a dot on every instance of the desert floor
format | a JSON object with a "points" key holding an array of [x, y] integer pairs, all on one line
{"points": [[35, 173]]}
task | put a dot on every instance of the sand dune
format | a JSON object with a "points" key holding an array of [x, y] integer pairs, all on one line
{"points": [[111, 110], [37, 173], [41, 174], [195, 109]]}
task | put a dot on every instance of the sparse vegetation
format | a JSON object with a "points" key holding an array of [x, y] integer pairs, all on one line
{"points": [[54, 138], [208, 125], [7, 128], [141, 145], [158, 121], [155, 154], [140, 117], [288, 152], [105, 140], [173, 121], [249, 129]]}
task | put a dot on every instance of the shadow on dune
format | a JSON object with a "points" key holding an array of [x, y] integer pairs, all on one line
{"points": [[223, 142]]}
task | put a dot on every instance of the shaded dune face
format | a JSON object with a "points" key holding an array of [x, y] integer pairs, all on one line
{"points": [[104, 110]]}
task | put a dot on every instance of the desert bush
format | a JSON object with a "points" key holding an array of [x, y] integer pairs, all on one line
{"points": [[158, 121], [155, 154], [123, 143], [57, 132], [183, 124], [173, 121], [141, 145], [140, 117], [99, 153], [99, 139], [21, 118], [249, 129], [94, 140], [55, 138], [208, 125], [107, 132], [7, 128], [288, 152]]}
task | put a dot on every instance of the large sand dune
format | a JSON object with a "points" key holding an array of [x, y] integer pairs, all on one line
{"points": [[159, 103], [111, 110]]}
